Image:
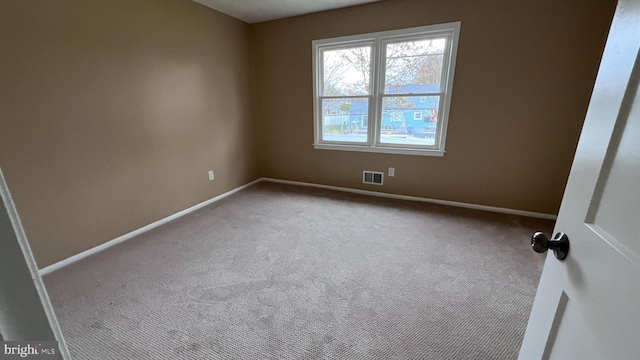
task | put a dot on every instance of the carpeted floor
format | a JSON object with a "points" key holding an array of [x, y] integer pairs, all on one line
{"points": [[286, 272]]}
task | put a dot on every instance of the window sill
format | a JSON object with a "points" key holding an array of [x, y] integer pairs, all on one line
{"points": [[383, 150]]}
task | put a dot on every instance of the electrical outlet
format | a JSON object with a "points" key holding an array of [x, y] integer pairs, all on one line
{"points": [[210, 175], [392, 172]]}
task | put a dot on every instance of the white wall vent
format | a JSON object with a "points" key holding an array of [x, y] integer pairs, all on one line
{"points": [[372, 177]]}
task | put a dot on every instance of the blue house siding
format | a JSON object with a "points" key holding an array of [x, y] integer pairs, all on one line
{"points": [[411, 114], [418, 114]]}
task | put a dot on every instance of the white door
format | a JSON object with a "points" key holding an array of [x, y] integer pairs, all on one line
{"points": [[26, 313], [588, 305]]}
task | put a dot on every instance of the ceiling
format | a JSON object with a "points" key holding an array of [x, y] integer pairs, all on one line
{"points": [[254, 11]]}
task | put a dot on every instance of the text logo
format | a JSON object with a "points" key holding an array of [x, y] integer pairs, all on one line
{"points": [[29, 350]]}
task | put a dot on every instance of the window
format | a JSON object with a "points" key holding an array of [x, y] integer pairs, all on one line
{"points": [[385, 92]]}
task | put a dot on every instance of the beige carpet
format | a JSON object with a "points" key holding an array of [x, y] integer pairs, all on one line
{"points": [[285, 272]]}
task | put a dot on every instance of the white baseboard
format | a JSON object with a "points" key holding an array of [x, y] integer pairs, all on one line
{"points": [[125, 237], [415, 198]]}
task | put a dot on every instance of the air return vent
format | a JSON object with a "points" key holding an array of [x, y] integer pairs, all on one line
{"points": [[372, 177]]}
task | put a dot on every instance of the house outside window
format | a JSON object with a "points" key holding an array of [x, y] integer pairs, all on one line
{"points": [[385, 92]]}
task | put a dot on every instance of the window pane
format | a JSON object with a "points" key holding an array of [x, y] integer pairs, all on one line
{"points": [[409, 120], [345, 120], [414, 66], [346, 71]]}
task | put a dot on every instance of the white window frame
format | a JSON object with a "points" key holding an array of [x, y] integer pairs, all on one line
{"points": [[378, 42], [417, 115]]}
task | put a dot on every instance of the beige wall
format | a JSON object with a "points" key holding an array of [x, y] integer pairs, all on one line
{"points": [[111, 113], [524, 74]]}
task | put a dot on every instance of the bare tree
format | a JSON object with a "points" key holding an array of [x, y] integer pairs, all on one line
{"points": [[412, 63], [360, 59], [416, 62], [333, 76]]}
